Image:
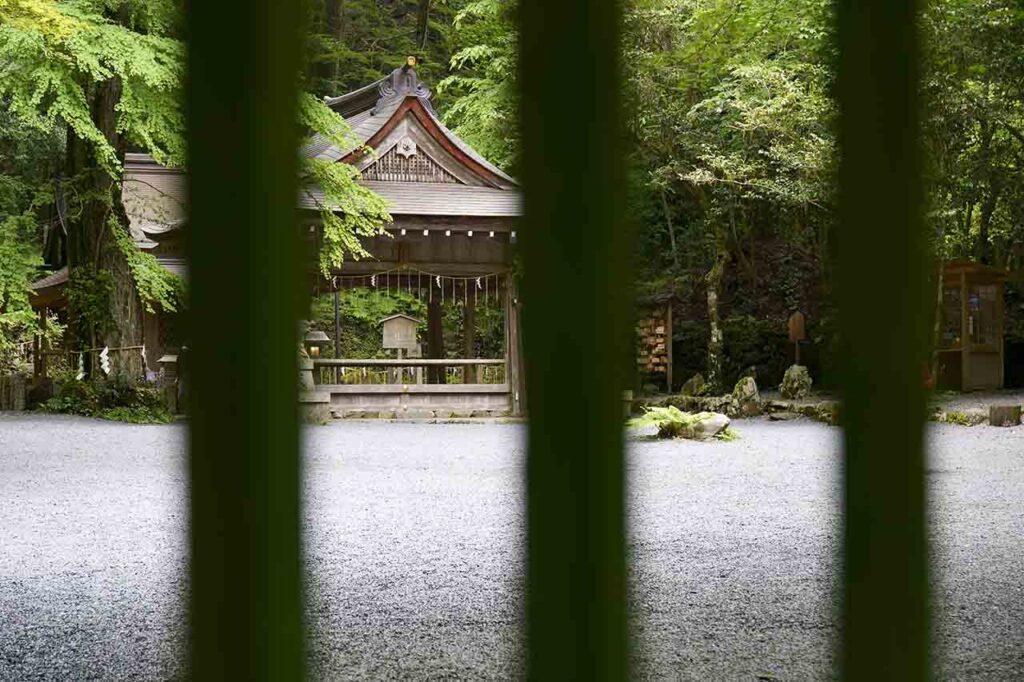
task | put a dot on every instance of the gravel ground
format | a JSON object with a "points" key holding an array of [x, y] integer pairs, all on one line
{"points": [[414, 537]]}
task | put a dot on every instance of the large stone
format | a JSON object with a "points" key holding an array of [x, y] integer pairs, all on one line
{"points": [[745, 397], [1004, 415], [695, 386], [796, 383], [707, 426]]}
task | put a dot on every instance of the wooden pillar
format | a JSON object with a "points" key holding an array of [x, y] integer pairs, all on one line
{"points": [[668, 345], [246, 593], [965, 335], [337, 331], [514, 375], [469, 338], [1000, 322], [575, 258], [884, 333], [39, 366], [435, 336]]}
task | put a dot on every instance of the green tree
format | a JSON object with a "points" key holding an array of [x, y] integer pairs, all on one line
{"points": [[108, 74]]}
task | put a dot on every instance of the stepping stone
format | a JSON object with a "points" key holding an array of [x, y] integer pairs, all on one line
{"points": [[1004, 415]]}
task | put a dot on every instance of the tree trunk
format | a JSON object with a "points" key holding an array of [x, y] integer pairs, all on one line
{"points": [[424, 23], [714, 287], [334, 20], [983, 252], [91, 245], [671, 229]]}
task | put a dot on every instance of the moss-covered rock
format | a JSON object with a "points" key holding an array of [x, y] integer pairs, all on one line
{"points": [[695, 386], [745, 398], [796, 383], [674, 423]]}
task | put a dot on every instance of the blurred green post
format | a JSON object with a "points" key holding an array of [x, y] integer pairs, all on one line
{"points": [[575, 248], [245, 581], [882, 292]]}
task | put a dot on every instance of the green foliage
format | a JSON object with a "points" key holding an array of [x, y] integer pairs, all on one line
{"points": [[954, 417], [157, 286], [115, 398], [53, 52], [355, 42], [18, 262], [727, 435], [25, 154], [672, 422], [361, 311], [89, 295], [347, 210], [762, 344], [484, 110]]}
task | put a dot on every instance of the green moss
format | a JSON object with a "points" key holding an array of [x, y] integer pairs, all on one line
{"points": [[728, 434], [954, 417]]}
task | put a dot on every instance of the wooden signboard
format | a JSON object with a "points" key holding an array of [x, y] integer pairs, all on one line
{"points": [[797, 332], [399, 332]]}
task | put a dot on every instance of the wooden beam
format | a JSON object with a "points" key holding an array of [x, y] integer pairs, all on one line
{"points": [[575, 284], [885, 337], [406, 362], [438, 389], [245, 587]]}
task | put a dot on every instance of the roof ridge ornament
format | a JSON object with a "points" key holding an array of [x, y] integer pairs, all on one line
{"points": [[403, 82]]}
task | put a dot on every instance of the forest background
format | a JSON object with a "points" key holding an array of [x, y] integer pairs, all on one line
{"points": [[729, 127]]}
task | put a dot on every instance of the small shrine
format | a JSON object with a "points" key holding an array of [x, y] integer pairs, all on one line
{"points": [[970, 348]]}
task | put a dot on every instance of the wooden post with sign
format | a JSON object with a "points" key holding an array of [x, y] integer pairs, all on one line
{"points": [[797, 332]]}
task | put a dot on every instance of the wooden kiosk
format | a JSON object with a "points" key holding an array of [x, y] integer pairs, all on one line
{"points": [[455, 217], [970, 348]]}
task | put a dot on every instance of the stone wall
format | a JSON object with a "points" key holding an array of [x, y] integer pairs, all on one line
{"points": [[12, 392]]}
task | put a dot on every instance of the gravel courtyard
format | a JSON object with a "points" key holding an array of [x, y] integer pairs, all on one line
{"points": [[413, 538]]}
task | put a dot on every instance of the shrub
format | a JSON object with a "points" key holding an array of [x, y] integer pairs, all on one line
{"points": [[674, 423], [116, 398]]}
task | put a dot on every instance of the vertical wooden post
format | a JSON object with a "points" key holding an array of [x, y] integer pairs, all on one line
{"points": [[576, 334], [668, 345], [469, 338], [965, 335], [1000, 330], [246, 614], [337, 330], [435, 335], [39, 346], [514, 375], [883, 325]]}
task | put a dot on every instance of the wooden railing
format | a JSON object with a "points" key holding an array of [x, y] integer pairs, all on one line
{"points": [[405, 370]]}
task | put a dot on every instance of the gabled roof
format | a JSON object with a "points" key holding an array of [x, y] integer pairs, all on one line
{"points": [[374, 112], [397, 316]]}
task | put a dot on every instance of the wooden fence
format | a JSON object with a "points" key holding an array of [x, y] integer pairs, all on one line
{"points": [[246, 590]]}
